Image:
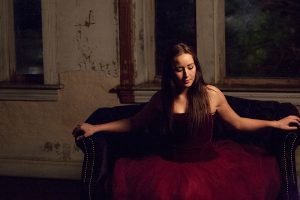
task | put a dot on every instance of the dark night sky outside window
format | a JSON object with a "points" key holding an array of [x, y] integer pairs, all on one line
{"points": [[28, 37], [175, 21], [262, 38]]}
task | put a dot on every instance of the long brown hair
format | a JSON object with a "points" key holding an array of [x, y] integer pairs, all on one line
{"points": [[198, 103]]}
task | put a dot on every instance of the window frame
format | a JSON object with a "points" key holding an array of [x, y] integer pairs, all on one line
{"points": [[10, 91], [136, 50]]}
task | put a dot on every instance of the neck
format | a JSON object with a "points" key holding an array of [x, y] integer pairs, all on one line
{"points": [[182, 92], [180, 104]]}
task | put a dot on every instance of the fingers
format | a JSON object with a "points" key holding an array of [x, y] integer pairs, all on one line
{"points": [[298, 120], [82, 131], [78, 133], [293, 122]]}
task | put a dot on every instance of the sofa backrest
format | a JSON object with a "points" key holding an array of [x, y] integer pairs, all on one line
{"points": [[269, 110]]}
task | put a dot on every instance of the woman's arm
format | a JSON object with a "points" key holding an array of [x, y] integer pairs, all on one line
{"points": [[141, 119], [248, 124]]}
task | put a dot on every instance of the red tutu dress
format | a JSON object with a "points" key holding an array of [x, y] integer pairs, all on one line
{"points": [[195, 168]]}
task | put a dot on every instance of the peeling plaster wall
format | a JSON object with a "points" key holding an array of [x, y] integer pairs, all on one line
{"points": [[36, 136]]}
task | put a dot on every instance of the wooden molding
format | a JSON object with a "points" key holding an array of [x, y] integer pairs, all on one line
{"points": [[21, 92], [7, 41], [126, 36], [49, 41], [40, 169]]}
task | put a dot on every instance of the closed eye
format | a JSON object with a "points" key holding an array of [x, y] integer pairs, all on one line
{"points": [[191, 66]]}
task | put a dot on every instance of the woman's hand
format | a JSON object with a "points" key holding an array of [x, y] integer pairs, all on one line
{"points": [[84, 130], [291, 122]]}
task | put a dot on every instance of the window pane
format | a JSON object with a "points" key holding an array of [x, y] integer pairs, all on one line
{"points": [[262, 38], [175, 21], [28, 36]]}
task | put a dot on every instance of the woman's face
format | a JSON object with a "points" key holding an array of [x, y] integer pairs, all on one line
{"points": [[185, 70]]}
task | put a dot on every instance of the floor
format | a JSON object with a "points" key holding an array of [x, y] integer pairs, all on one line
{"points": [[18, 188]]}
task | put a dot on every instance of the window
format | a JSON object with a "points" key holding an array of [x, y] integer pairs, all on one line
{"points": [[211, 42], [249, 40], [10, 46], [262, 38], [28, 41]]}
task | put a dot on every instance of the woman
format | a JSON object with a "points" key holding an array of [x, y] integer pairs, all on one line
{"points": [[192, 166]]}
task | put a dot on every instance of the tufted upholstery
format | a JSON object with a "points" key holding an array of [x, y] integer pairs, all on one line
{"points": [[101, 150]]}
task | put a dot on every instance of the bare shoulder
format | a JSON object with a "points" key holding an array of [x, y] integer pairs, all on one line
{"points": [[215, 96], [213, 91]]}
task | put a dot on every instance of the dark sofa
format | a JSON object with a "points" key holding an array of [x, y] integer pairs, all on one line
{"points": [[101, 150]]}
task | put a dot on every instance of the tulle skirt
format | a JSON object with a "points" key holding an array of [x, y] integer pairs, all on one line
{"points": [[239, 172]]}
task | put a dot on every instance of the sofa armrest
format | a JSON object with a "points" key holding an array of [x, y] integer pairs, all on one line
{"points": [[102, 149], [287, 164], [93, 166]]}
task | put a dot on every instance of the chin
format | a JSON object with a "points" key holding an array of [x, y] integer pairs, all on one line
{"points": [[188, 85]]}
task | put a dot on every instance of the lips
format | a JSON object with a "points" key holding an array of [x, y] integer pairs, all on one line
{"points": [[186, 81]]}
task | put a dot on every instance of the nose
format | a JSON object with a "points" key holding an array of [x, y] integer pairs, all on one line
{"points": [[185, 72]]}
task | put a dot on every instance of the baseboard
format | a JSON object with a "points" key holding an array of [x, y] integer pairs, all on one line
{"points": [[40, 169]]}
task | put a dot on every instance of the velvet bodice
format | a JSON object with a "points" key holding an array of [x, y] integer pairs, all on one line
{"points": [[190, 146]]}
